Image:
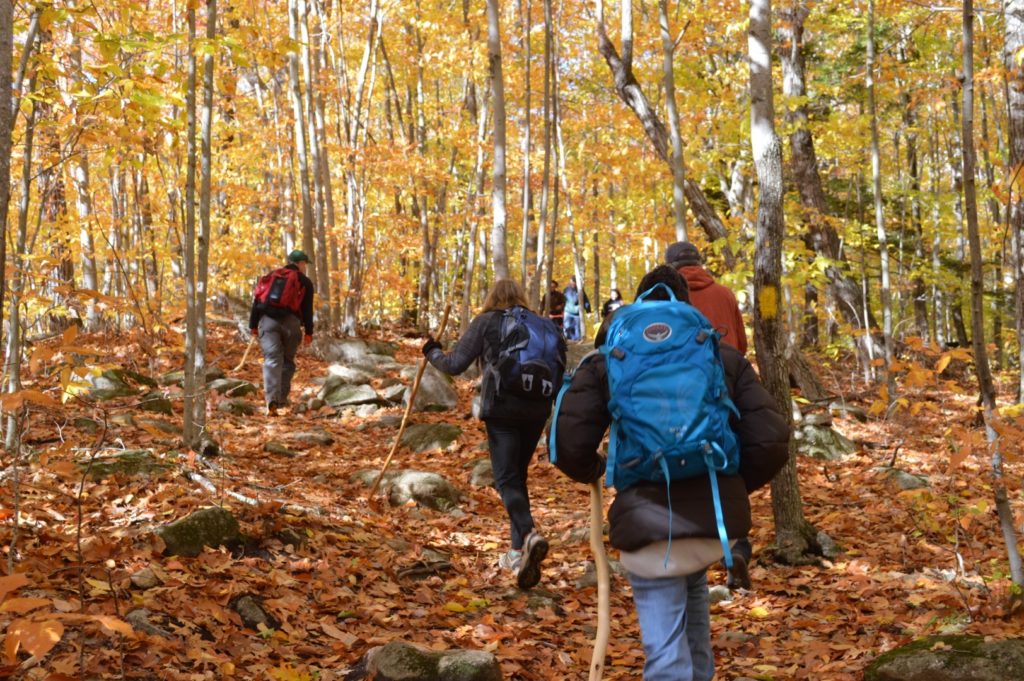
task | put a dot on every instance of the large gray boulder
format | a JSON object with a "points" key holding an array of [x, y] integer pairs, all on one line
{"points": [[111, 384], [424, 488], [212, 526], [130, 462], [344, 374], [400, 661], [345, 395], [232, 387], [436, 391], [821, 441], [950, 658], [156, 402], [424, 437], [366, 354]]}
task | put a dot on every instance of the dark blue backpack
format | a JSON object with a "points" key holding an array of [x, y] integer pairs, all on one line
{"points": [[669, 402], [529, 362]]}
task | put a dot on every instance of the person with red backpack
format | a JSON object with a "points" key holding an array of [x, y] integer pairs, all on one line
{"points": [[282, 308]]}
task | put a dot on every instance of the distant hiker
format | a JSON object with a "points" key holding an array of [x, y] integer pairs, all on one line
{"points": [[282, 307], [612, 304], [554, 304], [717, 302], [719, 305], [572, 321], [523, 358], [668, 533]]}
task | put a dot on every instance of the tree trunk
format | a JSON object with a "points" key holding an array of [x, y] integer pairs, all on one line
{"points": [[203, 247], [189, 427], [821, 236], [524, 253], [794, 536], [876, 183], [320, 273], [301, 146], [676, 161], [499, 254], [981, 365], [1014, 12], [14, 332]]}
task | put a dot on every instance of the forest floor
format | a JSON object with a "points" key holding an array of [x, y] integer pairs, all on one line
{"points": [[912, 563]]}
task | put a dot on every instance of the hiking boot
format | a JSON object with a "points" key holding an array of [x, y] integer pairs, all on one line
{"points": [[272, 409], [739, 575], [535, 549], [511, 560]]}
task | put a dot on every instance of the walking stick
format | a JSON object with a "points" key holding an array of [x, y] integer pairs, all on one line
{"points": [[603, 581], [245, 355], [408, 407]]}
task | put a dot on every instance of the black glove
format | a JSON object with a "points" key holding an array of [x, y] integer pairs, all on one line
{"points": [[430, 345]]}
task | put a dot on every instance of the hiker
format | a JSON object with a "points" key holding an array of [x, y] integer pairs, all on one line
{"points": [[719, 305], [612, 304], [522, 357], [282, 308], [716, 301], [669, 533], [554, 304], [572, 322]]}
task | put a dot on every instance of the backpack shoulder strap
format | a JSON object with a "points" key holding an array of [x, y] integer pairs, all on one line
{"points": [[566, 382]]}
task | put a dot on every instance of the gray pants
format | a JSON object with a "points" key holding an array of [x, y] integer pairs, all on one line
{"points": [[279, 340]]}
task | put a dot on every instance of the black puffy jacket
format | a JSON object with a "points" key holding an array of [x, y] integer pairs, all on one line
{"points": [[640, 514]]}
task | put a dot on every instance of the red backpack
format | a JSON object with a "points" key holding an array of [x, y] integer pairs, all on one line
{"points": [[281, 288]]}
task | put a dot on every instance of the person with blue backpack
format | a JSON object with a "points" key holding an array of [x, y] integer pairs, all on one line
{"points": [[522, 357], [693, 433]]}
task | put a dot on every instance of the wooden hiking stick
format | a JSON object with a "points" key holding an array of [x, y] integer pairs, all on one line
{"points": [[408, 407], [245, 355], [603, 581]]}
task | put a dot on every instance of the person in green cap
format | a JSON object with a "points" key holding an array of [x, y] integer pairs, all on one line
{"points": [[282, 308]]}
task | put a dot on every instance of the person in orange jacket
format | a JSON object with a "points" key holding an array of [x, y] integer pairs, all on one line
{"points": [[715, 301]]}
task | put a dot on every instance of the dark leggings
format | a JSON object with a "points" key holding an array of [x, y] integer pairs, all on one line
{"points": [[512, 443]]}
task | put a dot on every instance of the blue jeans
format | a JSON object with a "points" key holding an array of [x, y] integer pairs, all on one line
{"points": [[571, 323], [675, 625], [512, 443]]}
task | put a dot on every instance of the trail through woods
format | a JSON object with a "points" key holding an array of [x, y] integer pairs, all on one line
{"points": [[913, 562]]}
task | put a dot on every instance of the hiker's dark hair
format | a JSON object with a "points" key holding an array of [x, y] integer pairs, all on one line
{"points": [[664, 274]]}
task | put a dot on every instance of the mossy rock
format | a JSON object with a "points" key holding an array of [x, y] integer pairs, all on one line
{"points": [[342, 395], [87, 424], [424, 488], [238, 407], [823, 442], [400, 661], [950, 658], [277, 448], [232, 387], [313, 437], [424, 437], [212, 526], [130, 462], [157, 403], [160, 425], [110, 385]]}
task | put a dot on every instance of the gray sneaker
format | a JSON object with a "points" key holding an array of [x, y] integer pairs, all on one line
{"points": [[511, 560], [535, 549]]}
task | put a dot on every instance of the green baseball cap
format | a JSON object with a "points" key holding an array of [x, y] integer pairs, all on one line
{"points": [[298, 256]]}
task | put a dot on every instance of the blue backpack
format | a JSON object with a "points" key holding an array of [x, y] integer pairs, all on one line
{"points": [[669, 402], [529, 362]]}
